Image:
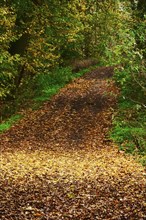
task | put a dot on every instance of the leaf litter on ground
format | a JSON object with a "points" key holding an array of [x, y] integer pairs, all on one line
{"points": [[58, 162]]}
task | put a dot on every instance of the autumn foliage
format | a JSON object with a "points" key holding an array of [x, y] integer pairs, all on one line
{"points": [[72, 104], [59, 163]]}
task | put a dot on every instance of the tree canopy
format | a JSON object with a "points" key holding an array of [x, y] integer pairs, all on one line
{"points": [[37, 35]]}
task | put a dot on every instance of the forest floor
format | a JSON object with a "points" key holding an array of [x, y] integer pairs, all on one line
{"points": [[58, 162]]}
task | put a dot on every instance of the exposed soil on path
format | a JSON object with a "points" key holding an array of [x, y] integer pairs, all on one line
{"points": [[58, 163]]}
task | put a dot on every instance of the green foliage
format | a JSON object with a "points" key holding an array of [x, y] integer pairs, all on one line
{"points": [[142, 160], [46, 85], [34, 92], [129, 127], [124, 46], [8, 123], [36, 36], [8, 63], [49, 84]]}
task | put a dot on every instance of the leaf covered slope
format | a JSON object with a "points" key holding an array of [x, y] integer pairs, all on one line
{"points": [[58, 162]]}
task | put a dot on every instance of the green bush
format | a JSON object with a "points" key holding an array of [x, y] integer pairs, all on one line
{"points": [[129, 127]]}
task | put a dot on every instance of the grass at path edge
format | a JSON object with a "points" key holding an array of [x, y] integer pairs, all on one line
{"points": [[33, 94]]}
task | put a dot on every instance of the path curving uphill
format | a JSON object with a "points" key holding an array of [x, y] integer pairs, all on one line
{"points": [[58, 163]]}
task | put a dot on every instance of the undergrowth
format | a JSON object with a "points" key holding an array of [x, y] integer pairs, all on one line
{"points": [[129, 124], [35, 91], [47, 85], [8, 123]]}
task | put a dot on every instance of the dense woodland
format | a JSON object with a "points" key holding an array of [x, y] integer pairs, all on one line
{"points": [[40, 37], [73, 109]]}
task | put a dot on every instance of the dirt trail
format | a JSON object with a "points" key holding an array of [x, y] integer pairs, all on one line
{"points": [[58, 162]]}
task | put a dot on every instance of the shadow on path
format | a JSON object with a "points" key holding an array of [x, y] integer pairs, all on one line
{"points": [[79, 116], [56, 163]]}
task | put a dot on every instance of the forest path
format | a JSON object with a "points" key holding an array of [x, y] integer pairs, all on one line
{"points": [[58, 163]]}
